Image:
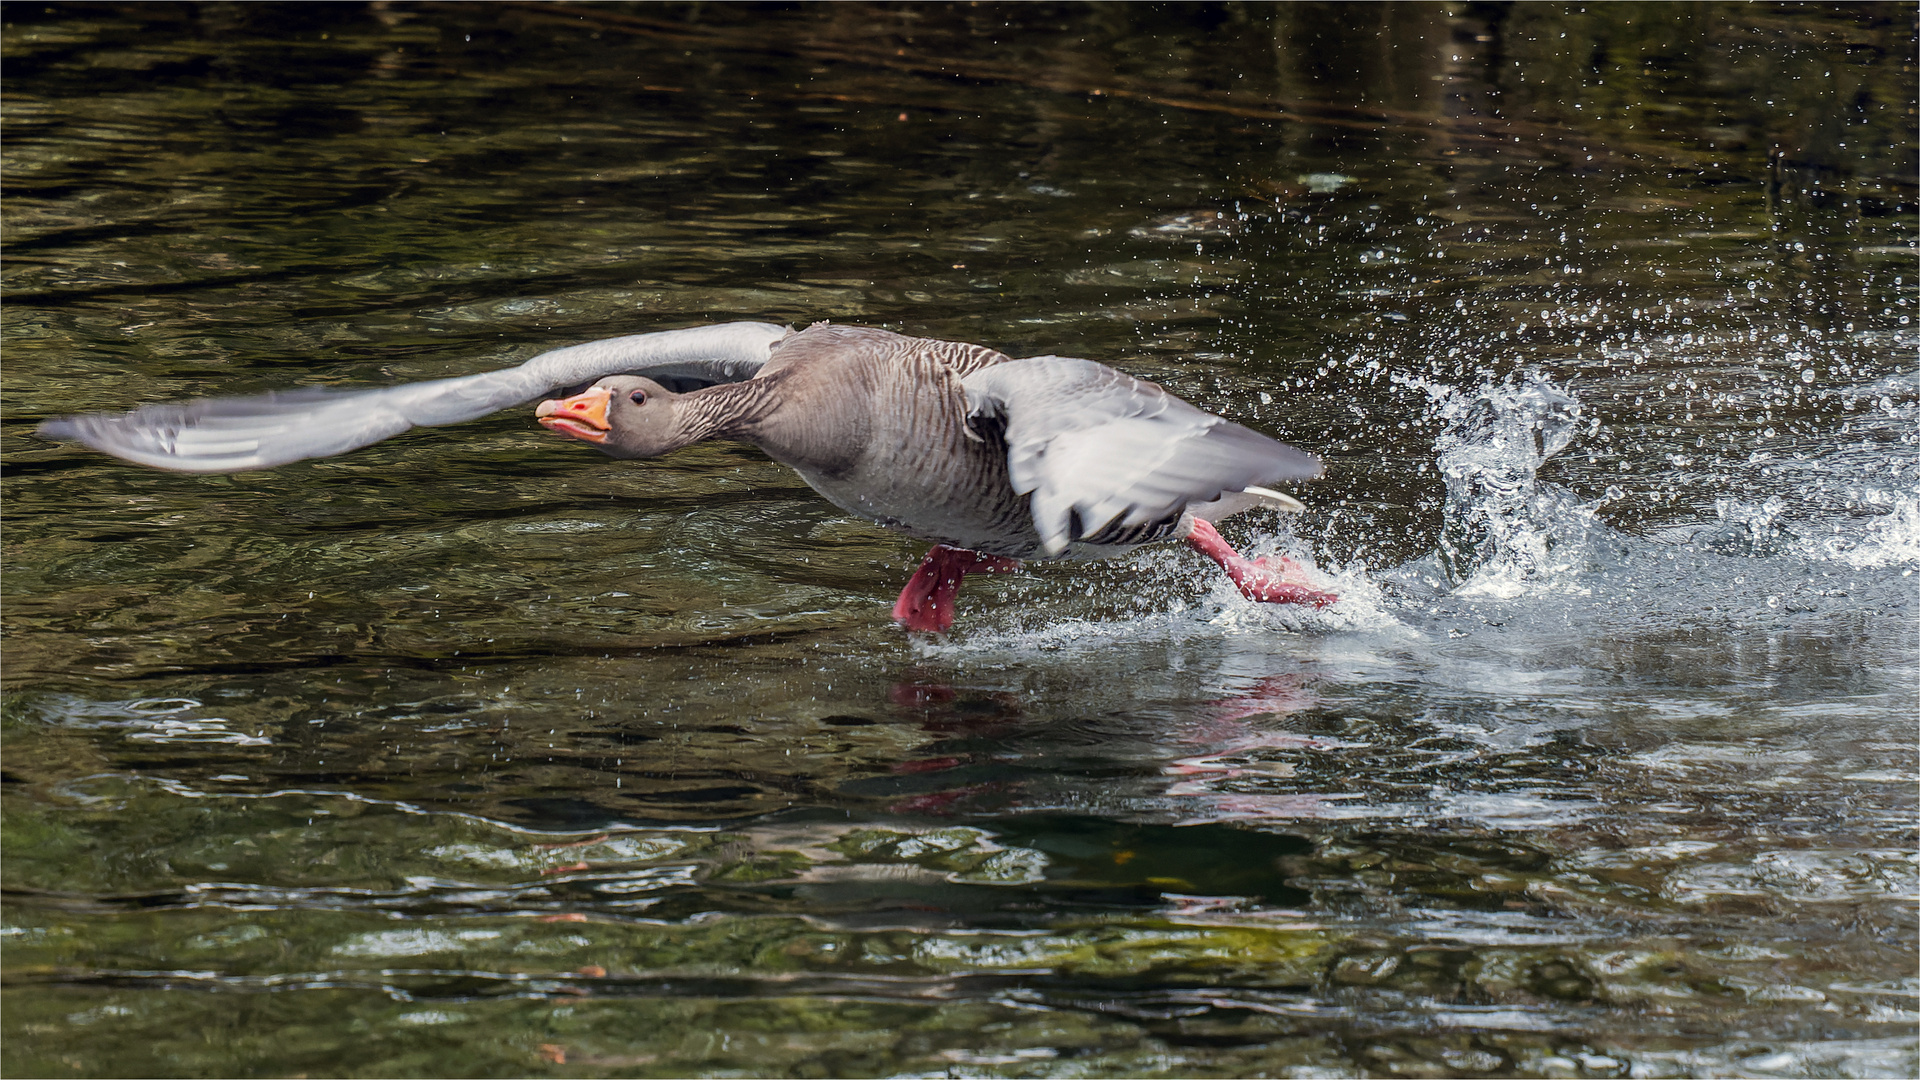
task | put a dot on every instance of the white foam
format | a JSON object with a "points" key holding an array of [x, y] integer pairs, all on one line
{"points": [[1892, 540]]}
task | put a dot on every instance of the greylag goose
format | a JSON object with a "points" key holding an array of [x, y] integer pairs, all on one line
{"points": [[993, 459]]}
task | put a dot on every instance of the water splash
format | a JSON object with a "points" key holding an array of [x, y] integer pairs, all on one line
{"points": [[1362, 606], [1751, 529], [1892, 540], [1503, 532], [1755, 530]]}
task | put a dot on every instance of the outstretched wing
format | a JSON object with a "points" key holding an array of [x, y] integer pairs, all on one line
{"points": [[257, 432], [1100, 451]]}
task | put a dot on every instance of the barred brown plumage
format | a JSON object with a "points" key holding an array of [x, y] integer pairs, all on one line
{"points": [[993, 459]]}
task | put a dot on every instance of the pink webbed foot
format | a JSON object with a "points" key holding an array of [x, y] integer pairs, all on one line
{"points": [[1274, 580], [926, 604]]}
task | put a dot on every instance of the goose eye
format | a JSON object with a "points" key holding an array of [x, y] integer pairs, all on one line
{"points": [[638, 397]]}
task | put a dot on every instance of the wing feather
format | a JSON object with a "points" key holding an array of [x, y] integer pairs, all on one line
{"points": [[1097, 449], [263, 430]]}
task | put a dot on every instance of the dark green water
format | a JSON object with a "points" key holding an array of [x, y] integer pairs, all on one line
{"points": [[477, 753]]}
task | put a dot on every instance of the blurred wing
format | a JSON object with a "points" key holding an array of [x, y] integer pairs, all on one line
{"points": [[263, 430], [1100, 451]]}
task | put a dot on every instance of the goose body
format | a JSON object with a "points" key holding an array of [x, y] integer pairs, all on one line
{"points": [[877, 424], [991, 458]]}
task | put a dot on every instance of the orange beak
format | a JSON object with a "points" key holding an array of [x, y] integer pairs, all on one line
{"points": [[582, 416]]}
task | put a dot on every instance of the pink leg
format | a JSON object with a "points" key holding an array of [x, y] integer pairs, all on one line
{"points": [[1273, 581], [927, 601]]}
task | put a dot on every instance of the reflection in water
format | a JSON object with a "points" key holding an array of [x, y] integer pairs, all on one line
{"points": [[469, 754]]}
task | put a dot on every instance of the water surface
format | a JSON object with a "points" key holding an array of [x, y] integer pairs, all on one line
{"points": [[478, 753]]}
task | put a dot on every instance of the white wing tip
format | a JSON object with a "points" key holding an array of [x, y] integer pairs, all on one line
{"points": [[1277, 500]]}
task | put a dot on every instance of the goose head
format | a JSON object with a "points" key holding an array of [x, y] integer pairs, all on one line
{"points": [[625, 416]]}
